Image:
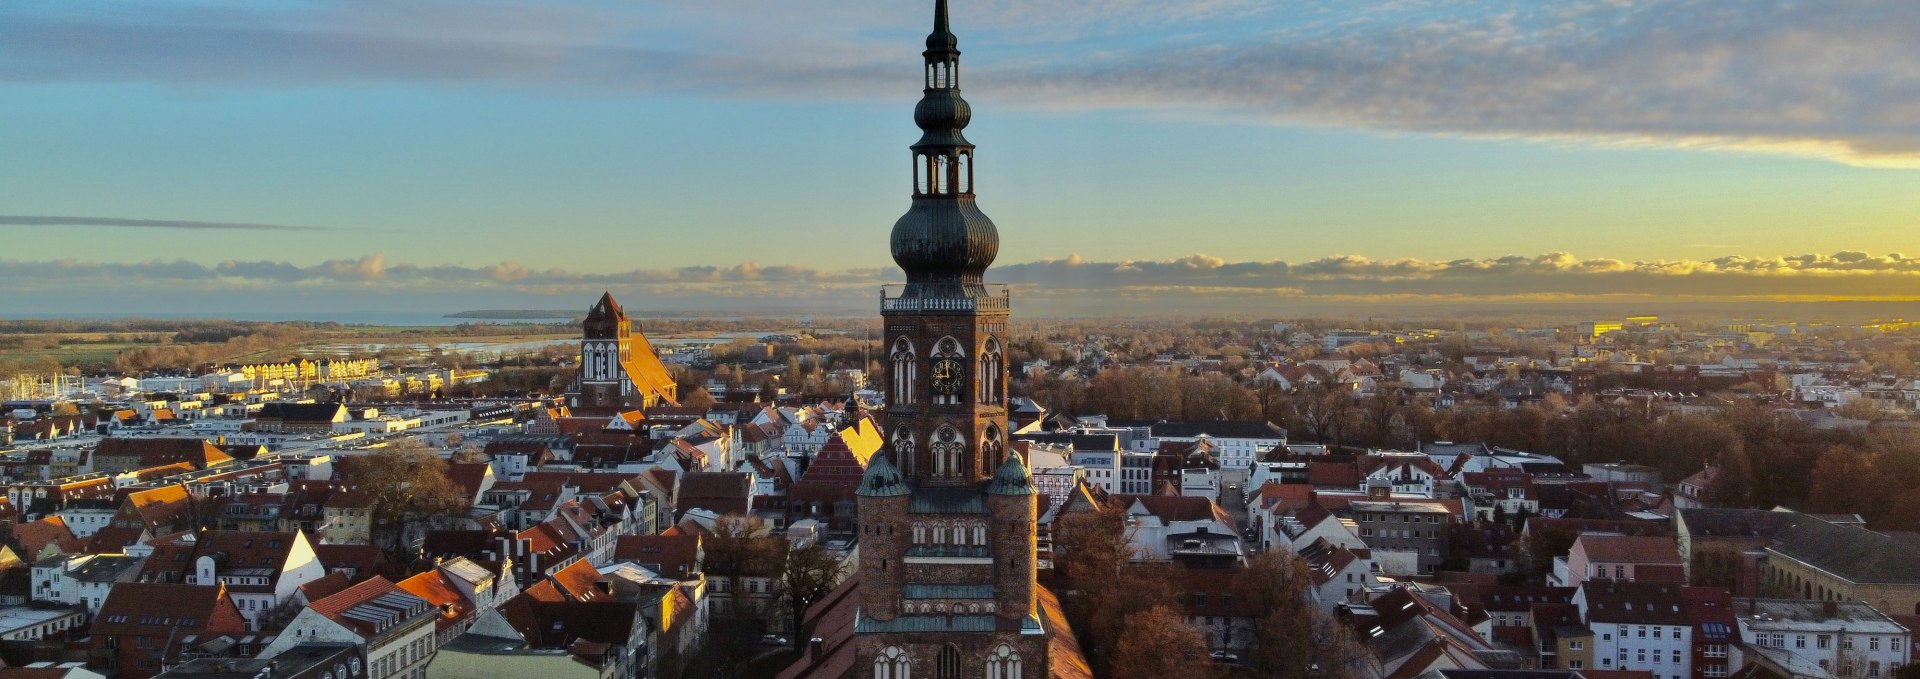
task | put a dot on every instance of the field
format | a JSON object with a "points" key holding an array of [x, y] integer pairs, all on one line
{"points": [[30, 349]]}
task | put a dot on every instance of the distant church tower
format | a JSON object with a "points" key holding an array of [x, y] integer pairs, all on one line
{"points": [[947, 553], [613, 375]]}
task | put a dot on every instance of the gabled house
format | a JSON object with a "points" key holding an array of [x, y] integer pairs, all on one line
{"points": [[116, 455], [1340, 574], [395, 628], [261, 572], [143, 627], [300, 418], [825, 492], [84, 580], [1624, 558], [1411, 634]]}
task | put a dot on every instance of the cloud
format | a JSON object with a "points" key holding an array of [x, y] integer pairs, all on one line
{"points": [[114, 222], [1837, 80], [1197, 283]]}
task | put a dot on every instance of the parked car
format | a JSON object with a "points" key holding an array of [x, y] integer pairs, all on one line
{"points": [[772, 640], [1224, 657]]}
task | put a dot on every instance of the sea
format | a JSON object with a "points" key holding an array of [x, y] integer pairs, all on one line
{"points": [[410, 318]]}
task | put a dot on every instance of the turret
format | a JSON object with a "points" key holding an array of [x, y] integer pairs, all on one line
{"points": [[883, 537], [1014, 504]]}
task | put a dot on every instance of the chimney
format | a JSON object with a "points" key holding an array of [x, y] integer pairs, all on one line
{"points": [[1830, 609], [816, 647]]}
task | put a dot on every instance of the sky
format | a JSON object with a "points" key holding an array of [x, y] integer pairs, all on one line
{"points": [[1261, 156]]}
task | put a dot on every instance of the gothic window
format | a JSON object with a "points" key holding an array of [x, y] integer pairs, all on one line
{"points": [[1003, 663], [903, 449], [892, 663], [919, 533], [947, 666], [979, 534], [948, 447], [939, 534], [903, 373], [992, 366], [991, 448]]}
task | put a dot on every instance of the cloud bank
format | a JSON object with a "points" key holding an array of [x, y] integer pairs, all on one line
{"points": [[1838, 80], [114, 222], [1055, 287]]}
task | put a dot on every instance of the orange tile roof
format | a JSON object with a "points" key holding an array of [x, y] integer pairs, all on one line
{"points": [[35, 536], [434, 586]]}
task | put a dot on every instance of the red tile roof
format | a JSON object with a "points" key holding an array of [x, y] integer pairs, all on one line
{"points": [[326, 586], [1635, 549], [35, 536], [155, 609]]}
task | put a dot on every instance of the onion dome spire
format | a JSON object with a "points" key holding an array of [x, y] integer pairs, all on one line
{"points": [[942, 39], [944, 243]]}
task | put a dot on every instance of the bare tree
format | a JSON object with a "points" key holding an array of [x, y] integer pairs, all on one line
{"points": [[1156, 643], [809, 574]]}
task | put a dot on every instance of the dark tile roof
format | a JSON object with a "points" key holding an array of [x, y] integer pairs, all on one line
{"points": [[1225, 429], [1754, 523], [1100, 442], [1644, 603], [672, 556], [301, 412], [1856, 554]]}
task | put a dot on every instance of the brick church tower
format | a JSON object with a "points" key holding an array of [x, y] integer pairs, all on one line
{"points": [[618, 369], [947, 549]]}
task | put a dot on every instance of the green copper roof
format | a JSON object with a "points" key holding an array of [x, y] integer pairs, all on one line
{"points": [[926, 623], [937, 500], [1012, 478], [882, 479]]}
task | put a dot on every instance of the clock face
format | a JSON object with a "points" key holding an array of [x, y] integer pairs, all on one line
{"points": [[948, 376]]}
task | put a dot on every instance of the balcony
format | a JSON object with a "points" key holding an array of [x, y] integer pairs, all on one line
{"points": [[997, 298]]}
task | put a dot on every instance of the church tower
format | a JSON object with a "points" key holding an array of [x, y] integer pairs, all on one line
{"points": [[618, 369], [947, 547]]}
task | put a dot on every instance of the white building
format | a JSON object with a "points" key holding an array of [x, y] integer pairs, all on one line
{"points": [[1638, 626], [1848, 639], [1236, 444]]}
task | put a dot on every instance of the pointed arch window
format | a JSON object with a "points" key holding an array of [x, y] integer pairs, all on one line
{"points": [[992, 366], [904, 370], [948, 447], [947, 666], [919, 533], [892, 663], [992, 447], [1003, 663], [903, 445]]}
